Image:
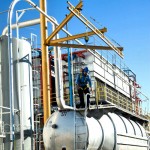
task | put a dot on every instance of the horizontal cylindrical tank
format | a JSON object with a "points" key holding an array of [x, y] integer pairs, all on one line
{"points": [[70, 130]]}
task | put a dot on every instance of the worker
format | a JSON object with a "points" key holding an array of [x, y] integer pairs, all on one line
{"points": [[84, 86]]}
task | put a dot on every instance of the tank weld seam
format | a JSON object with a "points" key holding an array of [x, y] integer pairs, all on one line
{"points": [[140, 128], [115, 133], [102, 135], [132, 126], [123, 122]]}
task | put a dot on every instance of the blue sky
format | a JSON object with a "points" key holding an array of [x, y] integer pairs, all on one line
{"points": [[127, 22]]}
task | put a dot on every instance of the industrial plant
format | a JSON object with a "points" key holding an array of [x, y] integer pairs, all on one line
{"points": [[68, 93]]}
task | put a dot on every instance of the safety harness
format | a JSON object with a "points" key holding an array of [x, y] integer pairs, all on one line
{"points": [[83, 83]]}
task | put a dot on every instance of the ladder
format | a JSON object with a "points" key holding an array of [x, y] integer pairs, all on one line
{"points": [[81, 135], [78, 14]]}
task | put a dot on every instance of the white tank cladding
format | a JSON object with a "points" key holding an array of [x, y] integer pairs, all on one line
{"points": [[23, 95], [109, 132], [59, 131]]}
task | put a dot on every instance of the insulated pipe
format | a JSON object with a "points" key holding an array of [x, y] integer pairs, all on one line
{"points": [[11, 93], [21, 25], [58, 66], [18, 88], [58, 75]]}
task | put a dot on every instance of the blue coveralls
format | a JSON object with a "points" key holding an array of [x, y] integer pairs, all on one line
{"points": [[82, 81]]}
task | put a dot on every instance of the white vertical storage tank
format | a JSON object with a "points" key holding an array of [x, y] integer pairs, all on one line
{"points": [[25, 70], [22, 86]]}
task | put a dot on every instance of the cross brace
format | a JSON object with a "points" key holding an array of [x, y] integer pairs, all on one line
{"points": [[77, 36], [93, 47]]}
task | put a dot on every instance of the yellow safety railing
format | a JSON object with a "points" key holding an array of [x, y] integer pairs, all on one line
{"points": [[106, 93]]}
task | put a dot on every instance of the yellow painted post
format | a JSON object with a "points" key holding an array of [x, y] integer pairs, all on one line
{"points": [[105, 92], [97, 92], [45, 64]]}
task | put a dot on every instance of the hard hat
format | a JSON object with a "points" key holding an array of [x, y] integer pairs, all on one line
{"points": [[86, 69]]}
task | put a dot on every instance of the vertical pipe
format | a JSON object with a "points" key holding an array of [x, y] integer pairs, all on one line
{"points": [[45, 63], [50, 77], [21, 122], [31, 105], [11, 93], [19, 92], [69, 73], [58, 75], [72, 73], [70, 78]]}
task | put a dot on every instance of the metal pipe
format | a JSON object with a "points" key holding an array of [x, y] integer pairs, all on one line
{"points": [[73, 94], [69, 73], [18, 87], [11, 93], [58, 67], [23, 10], [21, 25], [58, 76], [21, 121]]}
